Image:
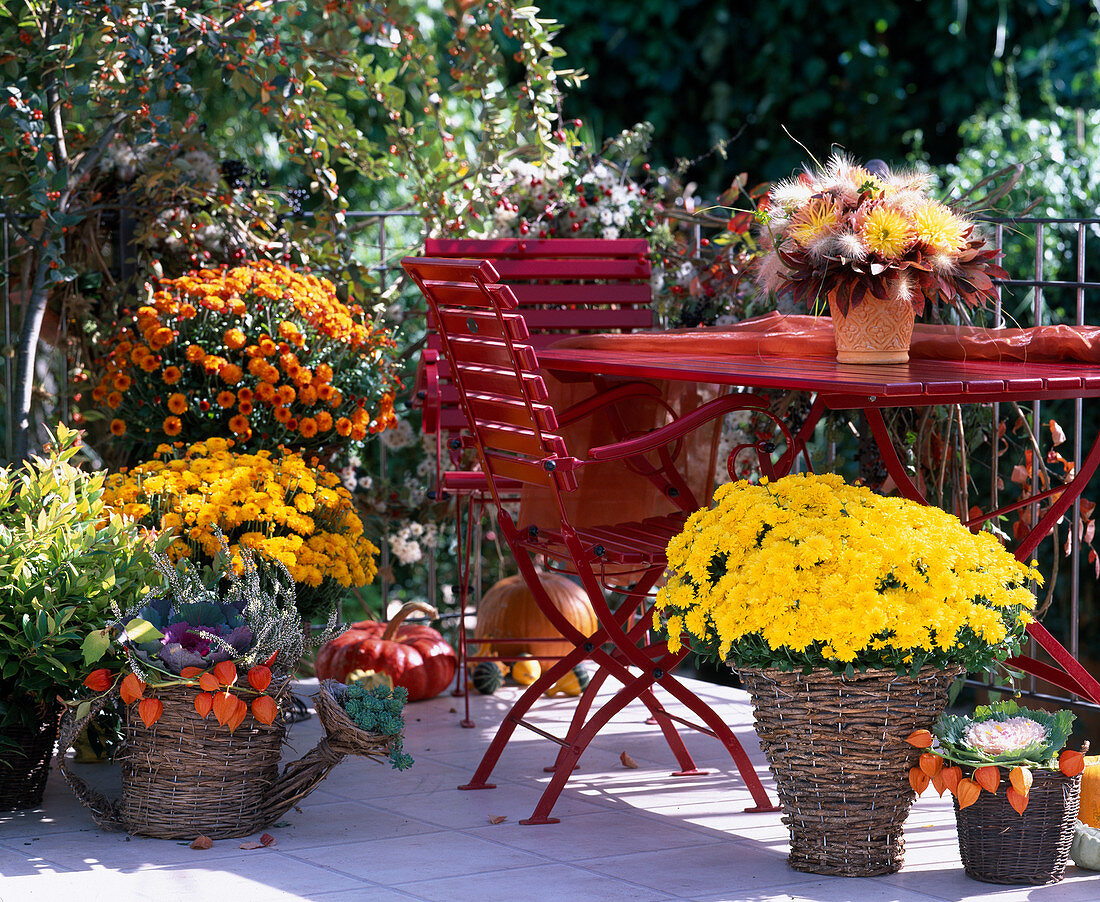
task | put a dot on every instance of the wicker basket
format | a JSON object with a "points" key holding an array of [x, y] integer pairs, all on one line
{"points": [[997, 845], [836, 746], [25, 769], [189, 776]]}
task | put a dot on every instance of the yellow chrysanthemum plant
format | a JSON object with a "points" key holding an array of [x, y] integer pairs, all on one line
{"points": [[842, 234], [262, 352], [283, 508], [809, 572]]}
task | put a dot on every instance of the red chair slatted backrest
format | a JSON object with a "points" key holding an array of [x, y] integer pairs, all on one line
{"points": [[563, 286], [495, 371]]}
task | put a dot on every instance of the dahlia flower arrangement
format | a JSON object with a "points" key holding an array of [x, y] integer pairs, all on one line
{"points": [[963, 754], [809, 572], [262, 352], [845, 235], [280, 507]]}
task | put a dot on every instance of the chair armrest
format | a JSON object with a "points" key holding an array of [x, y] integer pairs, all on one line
{"points": [[603, 399], [679, 427]]}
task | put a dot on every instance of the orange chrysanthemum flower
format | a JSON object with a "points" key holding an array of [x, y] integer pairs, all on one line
{"points": [[244, 394], [238, 425], [308, 427], [343, 427], [286, 394], [171, 375], [358, 433], [149, 363], [323, 373], [138, 354], [324, 421], [234, 339], [172, 426], [325, 392], [231, 374], [303, 377], [245, 407], [282, 415], [308, 395], [177, 403], [212, 364], [114, 399], [226, 399], [118, 427], [121, 381], [265, 392], [268, 347], [194, 354]]}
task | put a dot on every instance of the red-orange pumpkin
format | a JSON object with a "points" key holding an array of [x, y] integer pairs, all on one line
{"points": [[509, 610], [413, 654]]}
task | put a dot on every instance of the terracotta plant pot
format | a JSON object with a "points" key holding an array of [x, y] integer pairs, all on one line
{"points": [[873, 332]]}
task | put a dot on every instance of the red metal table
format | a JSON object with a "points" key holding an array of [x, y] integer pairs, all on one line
{"points": [[919, 383]]}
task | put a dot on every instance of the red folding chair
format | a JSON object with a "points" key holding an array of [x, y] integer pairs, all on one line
{"points": [[514, 430], [565, 286]]}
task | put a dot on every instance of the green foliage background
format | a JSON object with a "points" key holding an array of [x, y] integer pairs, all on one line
{"points": [[888, 78]]}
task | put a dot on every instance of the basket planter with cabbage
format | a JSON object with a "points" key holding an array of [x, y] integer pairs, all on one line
{"points": [[203, 674], [1016, 788], [847, 616]]}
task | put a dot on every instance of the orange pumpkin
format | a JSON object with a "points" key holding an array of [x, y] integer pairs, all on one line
{"points": [[1090, 792], [413, 654], [509, 611]]}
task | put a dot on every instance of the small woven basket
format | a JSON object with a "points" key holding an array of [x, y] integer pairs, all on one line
{"points": [[25, 769], [836, 746], [189, 776], [997, 845]]}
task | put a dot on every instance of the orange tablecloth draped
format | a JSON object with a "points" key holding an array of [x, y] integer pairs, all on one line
{"points": [[610, 493], [779, 335]]}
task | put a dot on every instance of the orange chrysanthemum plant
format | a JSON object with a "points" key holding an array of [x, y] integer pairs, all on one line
{"points": [[845, 235], [281, 507], [262, 352], [237, 649]]}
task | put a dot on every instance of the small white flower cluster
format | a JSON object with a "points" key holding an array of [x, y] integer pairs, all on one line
{"points": [[400, 436], [410, 540], [611, 201]]}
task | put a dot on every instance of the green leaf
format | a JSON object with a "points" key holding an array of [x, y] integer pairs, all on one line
{"points": [[82, 710], [140, 630], [95, 645]]}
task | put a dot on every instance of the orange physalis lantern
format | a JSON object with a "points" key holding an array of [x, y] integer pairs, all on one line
{"points": [[968, 792], [1017, 799], [204, 701], [921, 739], [189, 673], [99, 680], [1020, 778], [150, 710], [931, 764], [918, 779], [226, 672], [1071, 763], [208, 682], [240, 709], [131, 689], [264, 709], [224, 706], [951, 777], [988, 778], [259, 678]]}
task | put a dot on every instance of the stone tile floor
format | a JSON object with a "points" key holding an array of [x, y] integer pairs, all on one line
{"points": [[372, 833]]}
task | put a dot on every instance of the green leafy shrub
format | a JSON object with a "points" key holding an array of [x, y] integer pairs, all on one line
{"points": [[63, 557]]}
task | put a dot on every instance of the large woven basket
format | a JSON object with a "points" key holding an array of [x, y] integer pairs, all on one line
{"points": [[836, 746], [997, 845], [188, 776], [25, 768]]}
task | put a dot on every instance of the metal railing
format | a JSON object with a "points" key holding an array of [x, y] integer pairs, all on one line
{"points": [[1045, 296]]}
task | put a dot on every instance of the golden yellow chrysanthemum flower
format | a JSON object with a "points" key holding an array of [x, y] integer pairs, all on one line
{"points": [[938, 228], [817, 218], [886, 232]]}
